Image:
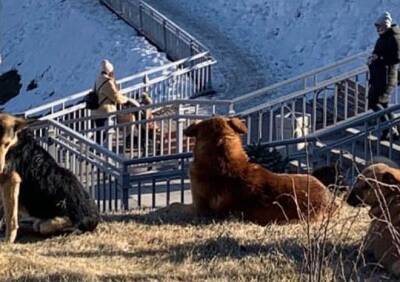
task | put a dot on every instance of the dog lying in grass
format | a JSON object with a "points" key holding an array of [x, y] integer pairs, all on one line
{"points": [[223, 181], [32, 181], [378, 187]]}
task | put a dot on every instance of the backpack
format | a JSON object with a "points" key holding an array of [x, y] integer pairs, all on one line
{"points": [[92, 99]]}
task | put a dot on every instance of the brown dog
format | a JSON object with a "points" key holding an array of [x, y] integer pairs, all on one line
{"points": [[9, 191], [378, 187], [223, 181]]}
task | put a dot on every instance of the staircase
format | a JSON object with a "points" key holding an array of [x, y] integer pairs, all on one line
{"points": [[353, 144]]}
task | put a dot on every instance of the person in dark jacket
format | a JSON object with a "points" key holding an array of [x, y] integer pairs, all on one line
{"points": [[383, 65]]}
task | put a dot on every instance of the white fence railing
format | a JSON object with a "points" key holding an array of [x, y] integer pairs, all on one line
{"points": [[142, 137], [306, 111], [183, 79], [113, 181], [100, 171], [300, 82]]}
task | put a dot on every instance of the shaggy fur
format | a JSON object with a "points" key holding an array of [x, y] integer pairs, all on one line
{"points": [[332, 177], [378, 187], [48, 192], [223, 181]]}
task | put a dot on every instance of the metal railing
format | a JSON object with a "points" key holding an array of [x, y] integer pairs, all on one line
{"points": [[143, 136], [159, 181], [101, 172], [157, 28], [353, 144], [301, 82], [307, 111], [113, 181], [173, 81]]}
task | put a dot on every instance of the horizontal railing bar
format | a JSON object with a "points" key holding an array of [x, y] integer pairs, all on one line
{"points": [[94, 160], [87, 141], [161, 68], [339, 127], [144, 121], [160, 176], [156, 106], [147, 160], [65, 111], [297, 78], [166, 77], [300, 93]]}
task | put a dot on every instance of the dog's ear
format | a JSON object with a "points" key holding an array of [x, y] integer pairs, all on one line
{"points": [[237, 125], [19, 124], [191, 131], [391, 177]]}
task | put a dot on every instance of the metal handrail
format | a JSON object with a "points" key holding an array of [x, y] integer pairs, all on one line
{"points": [[303, 76], [181, 30], [154, 107], [300, 93], [163, 67], [80, 95], [365, 117], [87, 141], [147, 160]]}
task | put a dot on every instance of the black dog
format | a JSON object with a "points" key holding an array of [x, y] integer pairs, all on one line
{"points": [[48, 192]]}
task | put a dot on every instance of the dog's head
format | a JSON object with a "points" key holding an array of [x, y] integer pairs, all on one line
{"points": [[9, 128], [214, 128], [376, 182]]}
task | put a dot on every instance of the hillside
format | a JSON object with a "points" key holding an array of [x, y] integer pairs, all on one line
{"points": [[56, 47]]}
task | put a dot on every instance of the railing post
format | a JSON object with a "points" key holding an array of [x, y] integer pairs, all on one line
{"points": [[192, 53], [209, 78], [179, 131], [110, 133], [146, 81], [141, 17], [125, 187], [51, 135], [231, 110], [165, 35]]}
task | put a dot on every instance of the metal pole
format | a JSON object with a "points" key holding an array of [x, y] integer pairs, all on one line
{"points": [[125, 187]]}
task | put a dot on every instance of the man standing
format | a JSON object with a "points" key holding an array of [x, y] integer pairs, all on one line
{"points": [[383, 65]]}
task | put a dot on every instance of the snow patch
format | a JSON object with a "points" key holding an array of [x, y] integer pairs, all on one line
{"points": [[59, 44]]}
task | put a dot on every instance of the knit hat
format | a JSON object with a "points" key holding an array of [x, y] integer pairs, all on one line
{"points": [[384, 19], [106, 66]]}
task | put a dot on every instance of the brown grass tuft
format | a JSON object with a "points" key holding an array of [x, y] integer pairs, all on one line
{"points": [[161, 246]]}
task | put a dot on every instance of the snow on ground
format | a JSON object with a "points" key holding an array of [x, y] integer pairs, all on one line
{"points": [[282, 38], [60, 43]]}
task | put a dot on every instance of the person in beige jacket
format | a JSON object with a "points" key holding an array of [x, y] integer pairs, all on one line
{"points": [[108, 93]]}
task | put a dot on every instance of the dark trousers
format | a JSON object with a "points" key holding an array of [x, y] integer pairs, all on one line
{"points": [[100, 122], [373, 104]]}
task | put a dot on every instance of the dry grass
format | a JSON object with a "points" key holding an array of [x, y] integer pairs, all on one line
{"points": [[162, 245]]}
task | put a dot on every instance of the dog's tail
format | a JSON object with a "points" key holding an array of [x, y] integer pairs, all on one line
{"points": [[88, 223]]}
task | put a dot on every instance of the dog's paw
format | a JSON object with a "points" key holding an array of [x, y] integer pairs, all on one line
{"points": [[10, 236]]}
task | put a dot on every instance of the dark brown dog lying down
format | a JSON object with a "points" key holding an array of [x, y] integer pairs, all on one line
{"points": [[223, 181], [378, 187]]}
